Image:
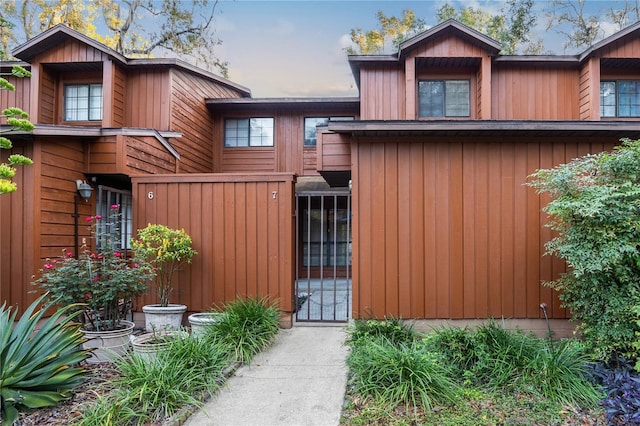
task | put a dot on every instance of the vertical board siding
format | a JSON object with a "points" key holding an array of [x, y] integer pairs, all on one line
{"points": [[516, 93], [119, 94], [147, 94], [71, 50], [189, 115], [382, 90], [288, 155], [445, 228], [17, 214], [242, 227]]}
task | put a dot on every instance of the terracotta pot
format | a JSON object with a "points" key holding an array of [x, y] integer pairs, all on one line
{"points": [[158, 317], [106, 346]]}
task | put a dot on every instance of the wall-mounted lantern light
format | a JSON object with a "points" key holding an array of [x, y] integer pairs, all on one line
{"points": [[84, 189]]}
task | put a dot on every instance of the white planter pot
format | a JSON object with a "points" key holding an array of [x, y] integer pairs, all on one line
{"points": [[146, 348], [106, 346], [200, 321], [157, 317]]}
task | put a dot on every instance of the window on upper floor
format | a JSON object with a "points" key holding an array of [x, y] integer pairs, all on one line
{"points": [[620, 98], [242, 132], [83, 102], [310, 124], [444, 98]]}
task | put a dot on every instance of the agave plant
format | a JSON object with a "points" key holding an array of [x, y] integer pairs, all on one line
{"points": [[38, 358]]}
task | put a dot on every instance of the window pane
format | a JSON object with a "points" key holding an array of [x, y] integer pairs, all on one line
{"points": [[83, 102], [457, 95], [608, 99], [431, 98], [261, 132], [628, 102], [236, 132], [310, 124]]}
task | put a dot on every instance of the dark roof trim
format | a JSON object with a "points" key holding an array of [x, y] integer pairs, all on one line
{"points": [[54, 35], [611, 39], [57, 34], [483, 127], [235, 104], [81, 131], [476, 37], [541, 59]]}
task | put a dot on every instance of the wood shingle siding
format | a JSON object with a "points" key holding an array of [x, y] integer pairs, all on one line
{"points": [[242, 227], [444, 227]]}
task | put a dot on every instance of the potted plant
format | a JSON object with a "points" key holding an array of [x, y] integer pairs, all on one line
{"points": [[167, 250], [104, 280]]}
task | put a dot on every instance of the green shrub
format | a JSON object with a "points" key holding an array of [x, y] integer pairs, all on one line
{"points": [[38, 358], [596, 212], [558, 371], [400, 374], [392, 329], [248, 326], [149, 392], [457, 345]]}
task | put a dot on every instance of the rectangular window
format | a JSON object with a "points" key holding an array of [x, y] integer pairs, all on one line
{"points": [[310, 124], [620, 98], [444, 98], [83, 102], [121, 229], [244, 132]]}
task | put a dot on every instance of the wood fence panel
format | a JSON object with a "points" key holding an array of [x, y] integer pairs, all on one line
{"points": [[455, 226], [242, 227]]}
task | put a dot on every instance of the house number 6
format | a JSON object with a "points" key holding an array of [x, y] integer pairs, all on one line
{"points": [[150, 195]]}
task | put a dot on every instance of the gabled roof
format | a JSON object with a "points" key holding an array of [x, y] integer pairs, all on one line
{"points": [[453, 27], [629, 31], [60, 33]]}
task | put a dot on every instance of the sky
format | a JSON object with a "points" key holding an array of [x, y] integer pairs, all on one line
{"points": [[295, 48]]}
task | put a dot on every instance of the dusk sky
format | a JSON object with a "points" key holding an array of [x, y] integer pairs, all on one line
{"points": [[295, 48]]}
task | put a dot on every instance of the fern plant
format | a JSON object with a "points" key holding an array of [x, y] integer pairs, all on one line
{"points": [[38, 358]]}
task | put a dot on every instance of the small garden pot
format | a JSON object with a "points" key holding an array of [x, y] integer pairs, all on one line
{"points": [[158, 317], [149, 345], [106, 346], [200, 321]]}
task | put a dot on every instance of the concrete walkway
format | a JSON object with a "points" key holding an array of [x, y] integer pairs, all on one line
{"points": [[300, 380]]}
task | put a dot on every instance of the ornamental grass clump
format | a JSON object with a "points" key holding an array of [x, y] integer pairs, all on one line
{"points": [[103, 279], [168, 250], [247, 327], [38, 358], [393, 329]]}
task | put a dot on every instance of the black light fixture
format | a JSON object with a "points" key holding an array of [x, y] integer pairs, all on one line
{"points": [[84, 189]]}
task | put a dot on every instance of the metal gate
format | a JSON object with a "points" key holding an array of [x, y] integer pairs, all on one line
{"points": [[323, 264]]}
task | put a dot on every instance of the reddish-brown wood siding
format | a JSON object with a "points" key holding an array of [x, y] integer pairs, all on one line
{"points": [[47, 97], [103, 155], [18, 233], [119, 97], [445, 228], [622, 48], [334, 152], [589, 95], [71, 51], [62, 164], [535, 93], [189, 115], [148, 93], [288, 153], [242, 227], [382, 93], [19, 97], [145, 155]]}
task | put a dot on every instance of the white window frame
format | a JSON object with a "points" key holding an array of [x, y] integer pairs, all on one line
{"points": [[453, 110], [108, 197], [83, 107], [249, 132]]}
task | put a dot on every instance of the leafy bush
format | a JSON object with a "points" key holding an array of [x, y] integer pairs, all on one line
{"points": [[248, 326], [152, 391], [400, 374], [622, 388], [457, 345], [392, 329], [38, 358], [595, 210]]}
